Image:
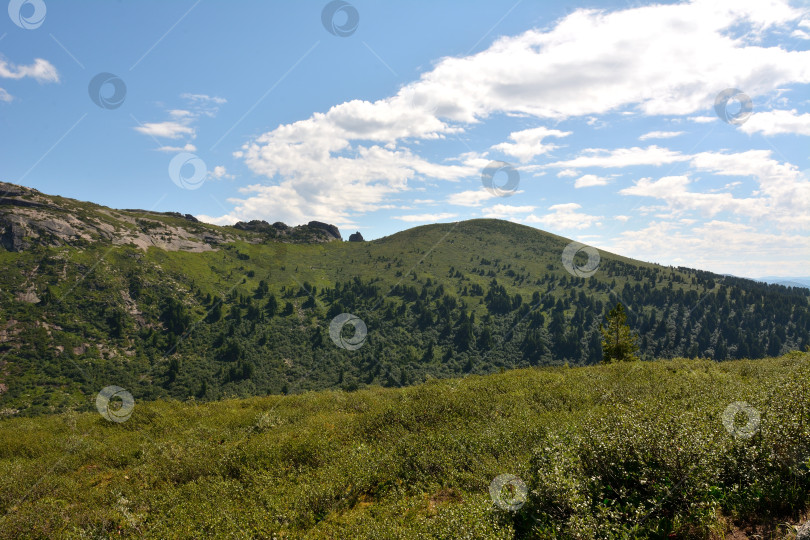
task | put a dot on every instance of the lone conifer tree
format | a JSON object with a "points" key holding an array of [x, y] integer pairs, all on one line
{"points": [[618, 342]]}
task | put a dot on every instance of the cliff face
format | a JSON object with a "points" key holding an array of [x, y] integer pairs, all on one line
{"points": [[29, 217]]}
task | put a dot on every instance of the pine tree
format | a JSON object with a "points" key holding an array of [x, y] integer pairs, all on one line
{"points": [[618, 342]]}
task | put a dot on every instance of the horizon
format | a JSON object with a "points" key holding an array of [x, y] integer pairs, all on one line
{"points": [[381, 118]]}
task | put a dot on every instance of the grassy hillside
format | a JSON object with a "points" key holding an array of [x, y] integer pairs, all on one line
{"points": [[252, 316], [634, 450]]}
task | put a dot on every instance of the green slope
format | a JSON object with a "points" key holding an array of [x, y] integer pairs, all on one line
{"points": [[445, 300], [633, 450]]}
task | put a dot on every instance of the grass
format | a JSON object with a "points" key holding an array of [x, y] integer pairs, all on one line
{"points": [[618, 451]]}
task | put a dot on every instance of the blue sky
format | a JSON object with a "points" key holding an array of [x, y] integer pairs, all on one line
{"points": [[604, 110]]}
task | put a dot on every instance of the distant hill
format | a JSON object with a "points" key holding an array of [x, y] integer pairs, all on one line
{"points": [[166, 306], [787, 281]]}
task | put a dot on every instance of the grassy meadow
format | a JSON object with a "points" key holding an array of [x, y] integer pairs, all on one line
{"points": [[629, 450]]}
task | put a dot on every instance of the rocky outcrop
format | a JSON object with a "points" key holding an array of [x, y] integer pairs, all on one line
{"points": [[256, 225], [356, 237], [314, 231], [28, 217], [12, 235], [330, 229]]}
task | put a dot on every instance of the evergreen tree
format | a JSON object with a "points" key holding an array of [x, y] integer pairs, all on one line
{"points": [[271, 308], [618, 342]]}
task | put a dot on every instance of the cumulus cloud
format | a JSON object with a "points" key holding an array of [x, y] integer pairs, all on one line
{"points": [[590, 180], [660, 135], [41, 71], [471, 197], [723, 246], [669, 60], [505, 211], [169, 130], [564, 217], [188, 147], [221, 172], [529, 143], [783, 193], [5, 96], [425, 218], [777, 122], [622, 157]]}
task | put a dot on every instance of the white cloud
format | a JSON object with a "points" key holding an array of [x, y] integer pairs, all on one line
{"points": [[220, 172], [188, 147], [660, 135], [589, 180], [622, 157], [227, 219], [702, 119], [529, 143], [720, 246], [41, 70], [587, 64], [422, 218], [567, 173], [801, 34], [471, 198], [776, 122], [564, 216], [169, 130], [503, 211], [782, 197], [203, 98], [182, 121], [5, 96]]}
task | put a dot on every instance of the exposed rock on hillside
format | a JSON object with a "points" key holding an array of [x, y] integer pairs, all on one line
{"points": [[314, 231], [356, 237], [29, 217]]}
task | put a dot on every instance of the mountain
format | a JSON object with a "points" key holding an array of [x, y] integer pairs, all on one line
{"points": [[787, 281], [165, 306]]}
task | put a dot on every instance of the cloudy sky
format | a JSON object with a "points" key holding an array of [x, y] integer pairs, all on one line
{"points": [[677, 133]]}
